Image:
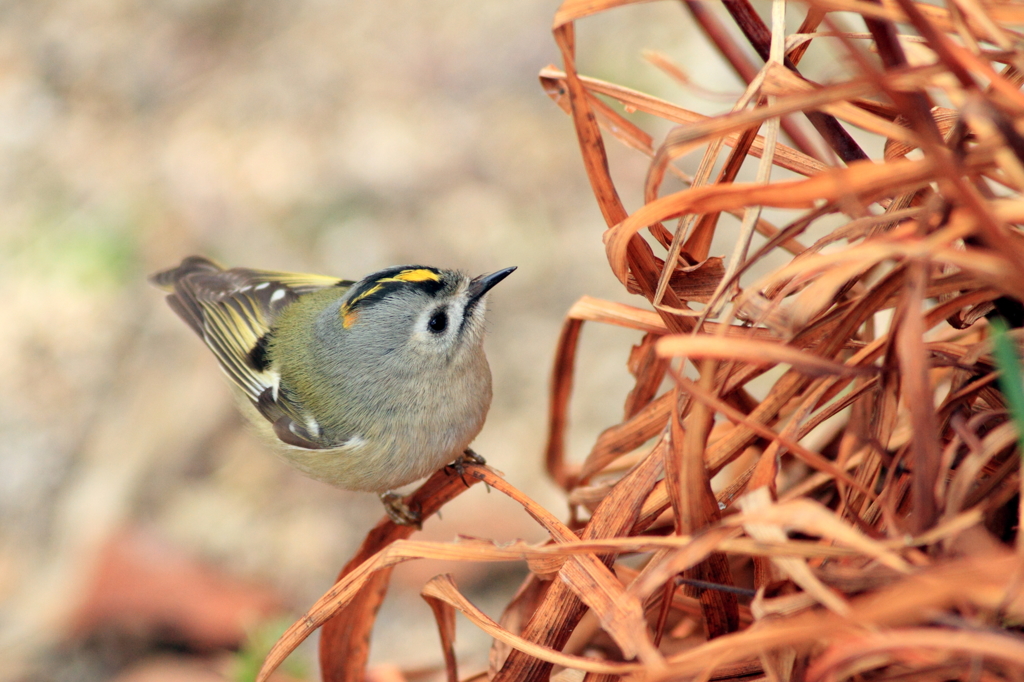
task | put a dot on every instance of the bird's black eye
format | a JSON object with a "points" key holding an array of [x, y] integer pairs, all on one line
{"points": [[438, 321]]}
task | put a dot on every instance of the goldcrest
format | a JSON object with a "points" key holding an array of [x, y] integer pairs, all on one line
{"points": [[365, 385]]}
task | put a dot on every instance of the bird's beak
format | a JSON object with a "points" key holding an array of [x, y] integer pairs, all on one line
{"points": [[484, 283]]}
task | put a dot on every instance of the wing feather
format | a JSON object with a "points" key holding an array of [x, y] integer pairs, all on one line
{"points": [[233, 311]]}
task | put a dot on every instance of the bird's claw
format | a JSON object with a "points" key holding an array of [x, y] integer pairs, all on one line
{"points": [[399, 512], [459, 465]]}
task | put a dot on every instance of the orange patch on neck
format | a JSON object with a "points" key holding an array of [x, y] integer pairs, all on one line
{"points": [[348, 317]]}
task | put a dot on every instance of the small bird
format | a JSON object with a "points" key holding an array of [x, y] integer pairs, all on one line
{"points": [[365, 385]]}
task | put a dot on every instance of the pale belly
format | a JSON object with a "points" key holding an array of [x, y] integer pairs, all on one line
{"points": [[402, 450]]}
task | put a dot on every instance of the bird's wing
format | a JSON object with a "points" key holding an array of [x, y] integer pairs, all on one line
{"points": [[233, 311]]}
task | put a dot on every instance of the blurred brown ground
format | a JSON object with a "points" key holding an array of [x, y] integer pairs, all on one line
{"points": [[325, 137]]}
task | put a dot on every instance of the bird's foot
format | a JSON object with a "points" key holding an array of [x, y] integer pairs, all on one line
{"points": [[467, 457], [399, 512]]}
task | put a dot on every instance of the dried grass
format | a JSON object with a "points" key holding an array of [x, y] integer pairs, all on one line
{"points": [[864, 520]]}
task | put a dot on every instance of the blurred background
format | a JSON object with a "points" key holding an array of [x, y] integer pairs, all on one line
{"points": [[143, 532]]}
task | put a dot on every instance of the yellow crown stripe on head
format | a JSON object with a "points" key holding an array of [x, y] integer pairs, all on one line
{"points": [[349, 317], [369, 292], [415, 275]]}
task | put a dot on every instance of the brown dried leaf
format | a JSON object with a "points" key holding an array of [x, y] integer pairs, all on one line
{"points": [[754, 352]]}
